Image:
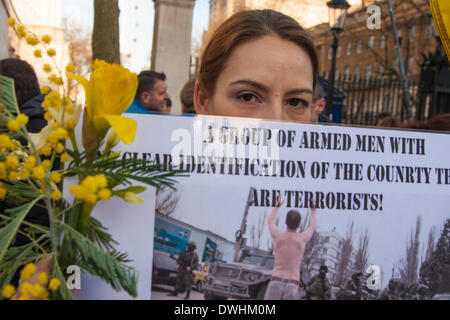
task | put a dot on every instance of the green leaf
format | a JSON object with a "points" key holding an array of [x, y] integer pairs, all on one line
{"points": [[13, 260], [63, 291], [8, 94], [9, 232], [134, 189], [102, 264]]}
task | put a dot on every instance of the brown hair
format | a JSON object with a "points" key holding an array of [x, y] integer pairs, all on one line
{"points": [[245, 26], [187, 96], [389, 122], [293, 219], [438, 123]]}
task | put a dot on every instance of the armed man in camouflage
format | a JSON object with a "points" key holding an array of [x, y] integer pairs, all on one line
{"points": [[392, 292], [187, 261], [353, 289], [319, 287]]}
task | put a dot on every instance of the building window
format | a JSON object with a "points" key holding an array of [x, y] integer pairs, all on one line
{"points": [[380, 71], [359, 47], [349, 49], [371, 42], [339, 52], [357, 73], [336, 77], [428, 32], [410, 66], [324, 250], [369, 71], [330, 52], [396, 65], [347, 73], [383, 42], [412, 33]]}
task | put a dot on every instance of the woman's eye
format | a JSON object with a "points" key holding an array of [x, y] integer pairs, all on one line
{"points": [[247, 97], [296, 102]]}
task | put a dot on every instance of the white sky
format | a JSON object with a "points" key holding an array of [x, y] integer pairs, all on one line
{"points": [[136, 26]]}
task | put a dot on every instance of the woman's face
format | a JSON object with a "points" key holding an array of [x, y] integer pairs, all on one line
{"points": [[269, 78]]}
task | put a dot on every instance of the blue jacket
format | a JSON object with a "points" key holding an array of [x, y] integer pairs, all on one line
{"points": [[137, 107]]}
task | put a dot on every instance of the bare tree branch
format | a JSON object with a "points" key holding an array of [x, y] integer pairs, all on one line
{"points": [[410, 264], [166, 201]]}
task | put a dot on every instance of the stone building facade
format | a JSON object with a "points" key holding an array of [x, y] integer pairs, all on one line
{"points": [[369, 53], [171, 50]]}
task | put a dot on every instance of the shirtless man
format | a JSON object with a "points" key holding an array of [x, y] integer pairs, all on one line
{"points": [[289, 247]]}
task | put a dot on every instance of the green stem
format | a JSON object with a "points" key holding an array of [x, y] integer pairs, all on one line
{"points": [[74, 145]]}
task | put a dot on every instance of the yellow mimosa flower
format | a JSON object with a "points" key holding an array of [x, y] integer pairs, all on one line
{"points": [[56, 195], [54, 284], [22, 118], [13, 125], [28, 271], [55, 177], [43, 278], [46, 38], [12, 161], [11, 22], [8, 291]]}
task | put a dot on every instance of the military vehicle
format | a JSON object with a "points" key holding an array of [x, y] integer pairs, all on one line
{"points": [[246, 279]]}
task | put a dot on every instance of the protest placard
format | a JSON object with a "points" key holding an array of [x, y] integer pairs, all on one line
{"points": [[378, 193]]}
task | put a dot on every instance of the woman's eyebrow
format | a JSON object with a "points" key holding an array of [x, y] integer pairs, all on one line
{"points": [[265, 89], [251, 83], [299, 91]]}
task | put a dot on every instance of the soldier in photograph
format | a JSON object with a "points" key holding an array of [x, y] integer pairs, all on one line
{"points": [[353, 288], [319, 287], [187, 262]]}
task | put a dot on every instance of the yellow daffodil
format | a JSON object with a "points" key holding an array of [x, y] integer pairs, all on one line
{"points": [[109, 92], [441, 15]]}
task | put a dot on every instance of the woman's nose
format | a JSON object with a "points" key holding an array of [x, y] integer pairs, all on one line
{"points": [[274, 111]]}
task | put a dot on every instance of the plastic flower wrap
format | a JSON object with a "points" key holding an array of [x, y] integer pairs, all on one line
{"points": [[33, 166]]}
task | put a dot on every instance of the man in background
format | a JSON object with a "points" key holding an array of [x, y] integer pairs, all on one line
{"points": [[319, 287], [187, 97], [151, 93], [167, 106], [318, 103]]}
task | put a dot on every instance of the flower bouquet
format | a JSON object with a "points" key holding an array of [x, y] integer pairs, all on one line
{"points": [[32, 169]]}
